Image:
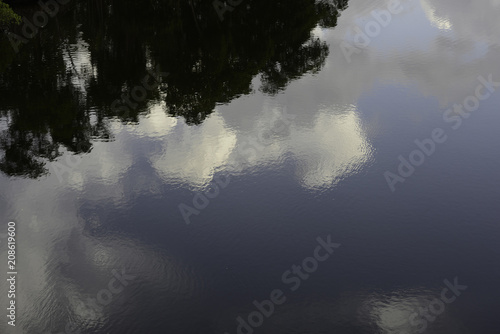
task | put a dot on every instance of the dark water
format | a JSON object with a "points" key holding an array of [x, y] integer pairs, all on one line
{"points": [[272, 135]]}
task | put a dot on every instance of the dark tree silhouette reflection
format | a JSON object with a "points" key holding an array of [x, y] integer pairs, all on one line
{"points": [[47, 102]]}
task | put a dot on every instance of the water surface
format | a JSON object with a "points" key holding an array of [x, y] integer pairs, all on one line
{"points": [[272, 128]]}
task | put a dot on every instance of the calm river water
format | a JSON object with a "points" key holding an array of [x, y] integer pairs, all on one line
{"points": [[296, 167]]}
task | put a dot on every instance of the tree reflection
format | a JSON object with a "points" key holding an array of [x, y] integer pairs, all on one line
{"points": [[48, 98]]}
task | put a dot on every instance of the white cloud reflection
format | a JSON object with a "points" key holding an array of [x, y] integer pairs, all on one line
{"points": [[325, 150], [192, 154], [332, 149], [437, 21]]}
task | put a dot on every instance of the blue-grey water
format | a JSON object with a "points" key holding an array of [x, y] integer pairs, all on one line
{"points": [[298, 167]]}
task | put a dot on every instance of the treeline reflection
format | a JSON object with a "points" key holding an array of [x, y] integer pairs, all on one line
{"points": [[57, 92]]}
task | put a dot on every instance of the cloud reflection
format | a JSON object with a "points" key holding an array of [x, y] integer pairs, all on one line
{"points": [[193, 154], [332, 147]]}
